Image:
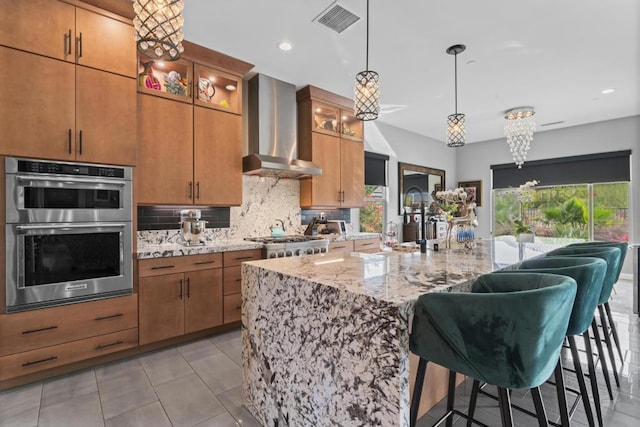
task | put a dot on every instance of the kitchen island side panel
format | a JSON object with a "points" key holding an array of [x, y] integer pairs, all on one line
{"points": [[322, 356]]}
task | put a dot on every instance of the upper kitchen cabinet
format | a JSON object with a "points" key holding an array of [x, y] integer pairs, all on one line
{"points": [[168, 79], [190, 148], [330, 136], [89, 37], [334, 120], [66, 96]]}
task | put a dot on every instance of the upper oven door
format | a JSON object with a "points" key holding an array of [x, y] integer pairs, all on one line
{"points": [[42, 198]]}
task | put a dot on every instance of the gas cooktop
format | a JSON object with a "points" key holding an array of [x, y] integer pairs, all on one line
{"points": [[294, 245]]}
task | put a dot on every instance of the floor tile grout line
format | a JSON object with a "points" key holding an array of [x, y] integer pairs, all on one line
{"points": [[95, 377], [40, 402]]}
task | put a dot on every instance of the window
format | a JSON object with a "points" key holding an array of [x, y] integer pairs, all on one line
{"points": [[564, 213], [373, 213]]}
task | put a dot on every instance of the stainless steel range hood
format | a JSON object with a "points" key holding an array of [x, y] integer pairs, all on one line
{"points": [[273, 148]]}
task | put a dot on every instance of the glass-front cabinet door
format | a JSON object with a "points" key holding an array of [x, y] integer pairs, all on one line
{"points": [[169, 79], [217, 89], [350, 127], [325, 118]]}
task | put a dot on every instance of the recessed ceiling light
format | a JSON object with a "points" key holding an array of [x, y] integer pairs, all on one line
{"points": [[286, 46], [230, 87], [212, 79], [608, 91], [160, 64]]}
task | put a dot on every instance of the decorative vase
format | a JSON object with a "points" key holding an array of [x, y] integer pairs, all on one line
{"points": [[526, 237]]}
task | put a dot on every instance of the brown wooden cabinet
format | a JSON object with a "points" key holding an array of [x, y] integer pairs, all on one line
{"points": [[233, 282], [367, 245], [330, 136], [179, 295], [50, 108], [86, 36], [35, 340], [191, 146]]}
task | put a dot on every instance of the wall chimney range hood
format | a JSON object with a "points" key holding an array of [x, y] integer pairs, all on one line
{"points": [[273, 148]]}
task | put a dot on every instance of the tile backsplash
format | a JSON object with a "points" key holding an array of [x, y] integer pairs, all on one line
{"points": [[168, 217]]}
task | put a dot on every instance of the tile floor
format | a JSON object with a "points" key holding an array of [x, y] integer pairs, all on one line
{"points": [[199, 384]]}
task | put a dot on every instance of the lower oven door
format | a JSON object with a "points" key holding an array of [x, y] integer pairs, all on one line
{"points": [[56, 263]]}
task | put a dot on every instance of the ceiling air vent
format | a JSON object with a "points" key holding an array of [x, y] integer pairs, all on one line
{"points": [[336, 18]]}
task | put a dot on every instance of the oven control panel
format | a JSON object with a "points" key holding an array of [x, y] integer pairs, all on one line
{"points": [[57, 168]]}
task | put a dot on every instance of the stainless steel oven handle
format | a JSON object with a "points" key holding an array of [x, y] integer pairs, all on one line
{"points": [[69, 181], [92, 225]]}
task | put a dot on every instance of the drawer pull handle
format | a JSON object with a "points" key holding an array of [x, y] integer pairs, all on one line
{"points": [[204, 262], [339, 247], [109, 317], [48, 328], [101, 346], [162, 267], [48, 359], [244, 257], [366, 244]]}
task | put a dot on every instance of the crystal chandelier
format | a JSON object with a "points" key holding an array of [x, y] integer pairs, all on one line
{"points": [[455, 122], [519, 129], [367, 90], [158, 25]]}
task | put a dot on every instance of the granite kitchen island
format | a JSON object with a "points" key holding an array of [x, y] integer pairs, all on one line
{"points": [[326, 338]]}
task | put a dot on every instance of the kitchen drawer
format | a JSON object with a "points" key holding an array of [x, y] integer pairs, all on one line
{"points": [[238, 257], [29, 362], [232, 308], [367, 245], [337, 247], [232, 279], [28, 330], [178, 264]]}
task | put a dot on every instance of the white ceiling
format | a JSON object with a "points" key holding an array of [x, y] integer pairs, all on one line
{"points": [[554, 55]]}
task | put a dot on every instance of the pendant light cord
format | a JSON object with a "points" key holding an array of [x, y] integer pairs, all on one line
{"points": [[456, 80], [367, 57]]}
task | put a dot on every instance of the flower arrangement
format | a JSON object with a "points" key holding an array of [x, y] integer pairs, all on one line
{"points": [[525, 194], [450, 199]]}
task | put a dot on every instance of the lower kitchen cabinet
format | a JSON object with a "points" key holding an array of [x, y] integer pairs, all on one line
{"points": [[367, 245], [233, 282], [179, 295]]}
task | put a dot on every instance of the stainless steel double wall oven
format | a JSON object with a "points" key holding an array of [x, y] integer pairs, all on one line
{"points": [[68, 232]]}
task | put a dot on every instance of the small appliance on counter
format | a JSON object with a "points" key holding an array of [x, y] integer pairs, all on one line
{"points": [[192, 227], [338, 227]]}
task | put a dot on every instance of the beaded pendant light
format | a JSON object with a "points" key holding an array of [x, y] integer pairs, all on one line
{"points": [[158, 28]]}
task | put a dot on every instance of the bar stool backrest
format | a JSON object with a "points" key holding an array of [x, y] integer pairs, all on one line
{"points": [[507, 332], [611, 256], [623, 246]]}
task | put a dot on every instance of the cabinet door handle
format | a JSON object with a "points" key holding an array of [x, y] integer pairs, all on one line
{"points": [[238, 280], [81, 143], [180, 288], [198, 190], [190, 190], [101, 346], [113, 316], [188, 287], [67, 42], [31, 331], [69, 140], [40, 361], [339, 196], [79, 46], [204, 262], [162, 267]]}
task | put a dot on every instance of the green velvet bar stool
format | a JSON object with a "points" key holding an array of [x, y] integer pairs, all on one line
{"points": [[611, 255], [623, 246], [589, 274], [507, 332]]}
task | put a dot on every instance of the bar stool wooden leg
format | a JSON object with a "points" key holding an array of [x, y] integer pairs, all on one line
{"points": [[417, 391], [592, 377], [473, 401], [580, 376], [614, 330], [504, 402], [562, 395], [603, 360], [607, 340], [540, 412]]}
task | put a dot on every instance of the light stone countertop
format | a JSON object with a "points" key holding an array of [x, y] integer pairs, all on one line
{"points": [[163, 250]]}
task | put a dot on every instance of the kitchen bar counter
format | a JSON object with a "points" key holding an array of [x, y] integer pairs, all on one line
{"points": [[326, 338]]}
